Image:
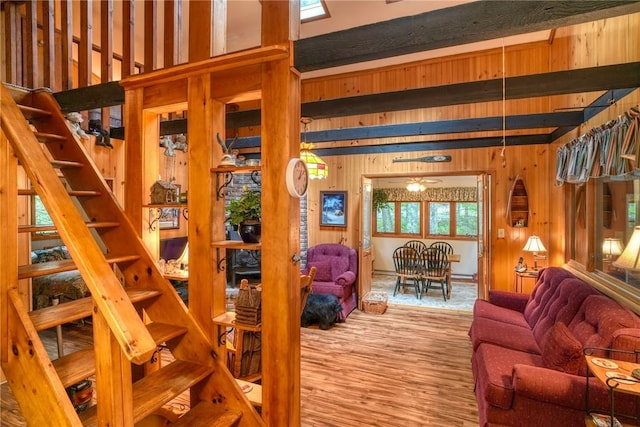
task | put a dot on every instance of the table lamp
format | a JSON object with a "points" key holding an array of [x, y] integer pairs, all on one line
{"points": [[183, 261], [534, 244], [629, 259], [611, 248]]}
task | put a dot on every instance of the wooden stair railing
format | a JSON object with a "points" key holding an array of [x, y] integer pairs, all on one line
{"points": [[121, 337]]}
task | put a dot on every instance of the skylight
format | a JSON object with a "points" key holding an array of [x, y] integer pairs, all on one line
{"points": [[311, 10]]}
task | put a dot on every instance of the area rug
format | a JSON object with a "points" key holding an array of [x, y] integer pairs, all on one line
{"points": [[463, 294]]}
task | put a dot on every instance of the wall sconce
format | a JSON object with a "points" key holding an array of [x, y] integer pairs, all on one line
{"points": [[534, 244], [611, 248]]}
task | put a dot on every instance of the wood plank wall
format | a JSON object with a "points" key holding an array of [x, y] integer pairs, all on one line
{"points": [[599, 43]]}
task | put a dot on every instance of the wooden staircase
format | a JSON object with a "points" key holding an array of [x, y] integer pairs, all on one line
{"points": [[134, 309]]}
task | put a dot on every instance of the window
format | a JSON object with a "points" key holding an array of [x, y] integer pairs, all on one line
{"points": [[310, 10], [399, 218], [453, 219], [40, 216], [443, 219]]}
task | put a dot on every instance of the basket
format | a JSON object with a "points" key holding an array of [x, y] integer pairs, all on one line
{"points": [[375, 302]]}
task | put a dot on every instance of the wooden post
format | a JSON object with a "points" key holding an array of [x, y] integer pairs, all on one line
{"points": [[280, 226]]}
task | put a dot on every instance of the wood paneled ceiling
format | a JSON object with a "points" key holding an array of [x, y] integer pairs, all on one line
{"points": [[449, 27]]}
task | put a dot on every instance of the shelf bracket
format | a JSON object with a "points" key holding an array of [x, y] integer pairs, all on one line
{"points": [[221, 263], [228, 177]]}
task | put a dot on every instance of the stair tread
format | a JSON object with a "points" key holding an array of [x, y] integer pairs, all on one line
{"points": [[76, 366], [158, 388], [66, 164], [206, 414], [45, 268], [32, 112], [52, 227], [163, 332], [54, 315], [77, 193], [49, 136]]}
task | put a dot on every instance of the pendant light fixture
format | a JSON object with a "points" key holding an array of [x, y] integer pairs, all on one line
{"points": [[317, 167]]}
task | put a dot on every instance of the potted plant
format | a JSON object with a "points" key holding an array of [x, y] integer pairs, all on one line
{"points": [[245, 212]]}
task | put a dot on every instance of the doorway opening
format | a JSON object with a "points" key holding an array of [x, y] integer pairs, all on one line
{"points": [[430, 208]]}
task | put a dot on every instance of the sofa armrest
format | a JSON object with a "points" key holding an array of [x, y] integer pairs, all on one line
{"points": [[510, 300], [558, 388], [346, 278]]}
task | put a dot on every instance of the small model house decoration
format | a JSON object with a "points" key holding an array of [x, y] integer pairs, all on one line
{"points": [[163, 192]]}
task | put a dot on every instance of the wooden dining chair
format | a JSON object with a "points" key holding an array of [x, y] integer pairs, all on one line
{"points": [[408, 266], [436, 270], [448, 249], [306, 280], [418, 245]]}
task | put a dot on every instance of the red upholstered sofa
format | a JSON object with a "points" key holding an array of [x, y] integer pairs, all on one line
{"points": [[528, 362], [336, 271]]}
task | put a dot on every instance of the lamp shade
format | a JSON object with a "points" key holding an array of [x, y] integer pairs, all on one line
{"points": [[183, 261], [611, 247], [316, 167], [534, 244], [630, 257]]}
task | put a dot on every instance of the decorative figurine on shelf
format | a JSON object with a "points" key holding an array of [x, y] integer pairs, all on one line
{"points": [[228, 156], [163, 192], [73, 120], [181, 143], [169, 146], [102, 135]]}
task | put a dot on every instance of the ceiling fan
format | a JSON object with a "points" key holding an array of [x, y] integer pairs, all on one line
{"points": [[420, 184]]}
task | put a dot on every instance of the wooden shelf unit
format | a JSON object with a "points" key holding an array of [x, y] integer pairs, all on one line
{"points": [[518, 204]]}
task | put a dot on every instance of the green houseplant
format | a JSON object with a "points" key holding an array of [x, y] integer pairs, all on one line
{"points": [[245, 212]]}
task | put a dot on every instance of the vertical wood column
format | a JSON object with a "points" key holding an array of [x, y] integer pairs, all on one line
{"points": [[86, 44], [208, 25], [31, 45], [12, 43], [106, 53], [206, 214], [150, 35], [66, 43], [48, 42], [280, 224], [134, 195], [114, 386], [128, 38]]}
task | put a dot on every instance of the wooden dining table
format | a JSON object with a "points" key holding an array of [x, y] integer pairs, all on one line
{"points": [[451, 258]]}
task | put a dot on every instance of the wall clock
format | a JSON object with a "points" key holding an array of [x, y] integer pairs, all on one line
{"points": [[297, 178]]}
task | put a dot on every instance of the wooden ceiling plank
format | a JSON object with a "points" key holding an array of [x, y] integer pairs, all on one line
{"points": [[466, 23]]}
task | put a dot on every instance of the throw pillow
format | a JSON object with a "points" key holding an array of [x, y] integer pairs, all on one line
{"points": [[323, 270], [561, 350]]}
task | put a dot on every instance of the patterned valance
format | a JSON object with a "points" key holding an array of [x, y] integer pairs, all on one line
{"points": [[444, 194], [611, 149]]}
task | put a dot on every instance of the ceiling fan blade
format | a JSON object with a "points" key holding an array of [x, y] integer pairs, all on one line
{"points": [[426, 159]]}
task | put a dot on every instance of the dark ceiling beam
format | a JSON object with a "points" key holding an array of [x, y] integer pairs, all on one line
{"points": [[466, 23], [592, 79], [90, 97], [527, 121], [619, 76], [435, 145], [603, 102]]}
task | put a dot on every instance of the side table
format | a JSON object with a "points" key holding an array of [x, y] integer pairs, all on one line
{"points": [[614, 374], [521, 276]]}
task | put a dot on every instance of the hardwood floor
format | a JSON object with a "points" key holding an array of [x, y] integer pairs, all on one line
{"points": [[408, 367]]}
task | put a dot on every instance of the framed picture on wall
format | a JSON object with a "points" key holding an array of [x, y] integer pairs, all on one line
{"points": [[167, 218], [333, 208]]}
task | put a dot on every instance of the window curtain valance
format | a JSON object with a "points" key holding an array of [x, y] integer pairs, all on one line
{"points": [[445, 194], [611, 149]]}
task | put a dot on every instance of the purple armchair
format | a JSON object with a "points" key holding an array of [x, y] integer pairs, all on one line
{"points": [[336, 270]]}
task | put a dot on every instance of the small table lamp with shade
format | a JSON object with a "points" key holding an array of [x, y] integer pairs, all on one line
{"points": [[629, 259], [611, 248], [534, 244]]}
